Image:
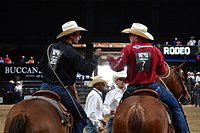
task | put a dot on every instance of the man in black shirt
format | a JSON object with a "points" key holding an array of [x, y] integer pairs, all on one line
{"points": [[60, 65]]}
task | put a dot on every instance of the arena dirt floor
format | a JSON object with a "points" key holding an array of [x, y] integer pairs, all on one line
{"points": [[192, 113]]}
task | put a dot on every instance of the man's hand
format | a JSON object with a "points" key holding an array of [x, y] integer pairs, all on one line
{"points": [[112, 112], [98, 52], [109, 56], [100, 129], [103, 122]]}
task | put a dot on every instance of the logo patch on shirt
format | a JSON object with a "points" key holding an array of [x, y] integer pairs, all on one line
{"points": [[55, 57], [143, 61]]}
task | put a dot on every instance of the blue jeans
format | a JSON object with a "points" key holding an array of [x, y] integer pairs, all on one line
{"points": [[109, 125], [167, 97], [90, 128], [80, 121]]}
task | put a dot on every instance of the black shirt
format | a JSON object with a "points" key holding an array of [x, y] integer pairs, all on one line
{"points": [[66, 62]]}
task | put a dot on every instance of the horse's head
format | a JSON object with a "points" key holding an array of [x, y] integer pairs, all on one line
{"points": [[181, 77]]}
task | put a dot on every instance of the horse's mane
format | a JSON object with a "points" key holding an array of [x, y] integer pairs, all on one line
{"points": [[135, 121], [18, 124]]}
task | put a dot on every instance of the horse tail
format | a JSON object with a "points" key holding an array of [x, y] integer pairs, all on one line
{"points": [[18, 124], [135, 121]]}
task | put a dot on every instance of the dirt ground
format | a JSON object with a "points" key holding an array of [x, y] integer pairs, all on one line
{"points": [[192, 113]]}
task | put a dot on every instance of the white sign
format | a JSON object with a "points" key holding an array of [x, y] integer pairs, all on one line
{"points": [[176, 50]]}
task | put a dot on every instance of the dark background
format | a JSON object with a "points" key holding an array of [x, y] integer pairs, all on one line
{"points": [[28, 26]]}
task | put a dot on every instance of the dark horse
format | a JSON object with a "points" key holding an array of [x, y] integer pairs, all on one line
{"points": [[37, 115], [144, 112]]}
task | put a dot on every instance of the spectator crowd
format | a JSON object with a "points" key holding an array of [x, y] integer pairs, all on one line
{"points": [[22, 60]]}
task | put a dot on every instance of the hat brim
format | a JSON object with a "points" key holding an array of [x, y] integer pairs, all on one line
{"points": [[139, 33], [91, 83], [67, 32], [117, 77]]}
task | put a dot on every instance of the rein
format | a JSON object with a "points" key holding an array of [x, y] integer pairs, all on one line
{"points": [[164, 77]]}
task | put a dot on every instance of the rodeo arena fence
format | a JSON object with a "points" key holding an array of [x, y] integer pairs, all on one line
{"points": [[31, 77]]}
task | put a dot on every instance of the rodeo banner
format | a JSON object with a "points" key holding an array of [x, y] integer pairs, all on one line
{"points": [[181, 53]]}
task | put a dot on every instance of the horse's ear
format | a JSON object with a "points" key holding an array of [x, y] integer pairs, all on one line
{"points": [[181, 66]]}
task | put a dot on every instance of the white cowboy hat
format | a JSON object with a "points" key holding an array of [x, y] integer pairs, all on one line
{"points": [[140, 30], [198, 73], [68, 28], [11, 81], [119, 75], [196, 84], [96, 79], [18, 82]]}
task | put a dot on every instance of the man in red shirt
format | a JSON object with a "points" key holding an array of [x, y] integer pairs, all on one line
{"points": [[145, 63], [7, 60]]}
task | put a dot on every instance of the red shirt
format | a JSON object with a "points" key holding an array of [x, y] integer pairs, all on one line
{"points": [[7, 60], [144, 62]]}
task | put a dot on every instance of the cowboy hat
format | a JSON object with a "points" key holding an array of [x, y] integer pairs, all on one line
{"points": [[18, 82], [11, 81], [198, 73], [96, 79], [140, 30], [118, 75], [68, 28]]}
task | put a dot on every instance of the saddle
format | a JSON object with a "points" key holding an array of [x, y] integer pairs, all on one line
{"points": [[67, 119], [146, 92]]}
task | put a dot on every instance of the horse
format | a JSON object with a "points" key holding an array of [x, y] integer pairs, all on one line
{"points": [[39, 114], [178, 77], [143, 111]]}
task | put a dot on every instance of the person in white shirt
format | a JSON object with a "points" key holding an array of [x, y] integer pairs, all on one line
{"points": [[197, 77], [113, 98], [18, 91], [191, 42], [93, 105]]}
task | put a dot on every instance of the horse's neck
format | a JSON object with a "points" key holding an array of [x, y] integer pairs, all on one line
{"points": [[173, 84]]}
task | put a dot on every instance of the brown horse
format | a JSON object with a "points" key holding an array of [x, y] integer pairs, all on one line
{"points": [[145, 113], [178, 77], [36, 116]]}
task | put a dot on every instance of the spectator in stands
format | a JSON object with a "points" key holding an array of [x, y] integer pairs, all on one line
{"points": [[197, 94], [11, 92], [166, 43], [22, 60], [190, 85], [174, 43], [11, 85], [18, 91], [7, 59], [31, 60], [113, 98], [198, 42], [178, 43], [197, 79], [1, 60], [192, 41], [60, 65], [93, 105]]}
